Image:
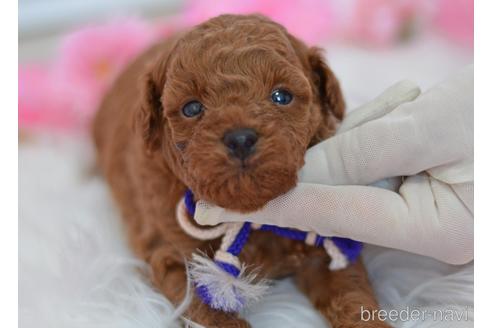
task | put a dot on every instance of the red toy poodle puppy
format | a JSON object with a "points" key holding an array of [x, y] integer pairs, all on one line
{"points": [[227, 109]]}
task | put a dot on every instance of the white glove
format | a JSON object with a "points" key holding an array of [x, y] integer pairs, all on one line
{"points": [[429, 140]]}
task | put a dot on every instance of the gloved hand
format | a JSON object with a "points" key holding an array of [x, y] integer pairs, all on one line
{"points": [[427, 141]]}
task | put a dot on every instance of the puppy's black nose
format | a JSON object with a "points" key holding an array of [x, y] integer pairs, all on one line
{"points": [[241, 142]]}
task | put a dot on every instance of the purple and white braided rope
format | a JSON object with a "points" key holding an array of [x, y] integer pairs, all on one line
{"points": [[223, 284]]}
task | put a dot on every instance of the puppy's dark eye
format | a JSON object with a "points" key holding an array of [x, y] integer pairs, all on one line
{"points": [[281, 97], [193, 108]]}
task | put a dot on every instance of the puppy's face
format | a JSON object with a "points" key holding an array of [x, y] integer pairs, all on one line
{"points": [[234, 107]]}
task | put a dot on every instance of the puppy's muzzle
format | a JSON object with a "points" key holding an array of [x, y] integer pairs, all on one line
{"points": [[241, 142]]}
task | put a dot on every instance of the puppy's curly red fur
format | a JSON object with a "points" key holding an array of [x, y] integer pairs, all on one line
{"points": [[149, 151]]}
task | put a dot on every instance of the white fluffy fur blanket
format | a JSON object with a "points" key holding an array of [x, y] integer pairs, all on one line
{"points": [[75, 269]]}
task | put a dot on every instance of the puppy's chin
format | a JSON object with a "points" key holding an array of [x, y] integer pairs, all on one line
{"points": [[247, 189]]}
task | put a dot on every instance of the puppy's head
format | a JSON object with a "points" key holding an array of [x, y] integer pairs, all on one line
{"points": [[235, 105]]}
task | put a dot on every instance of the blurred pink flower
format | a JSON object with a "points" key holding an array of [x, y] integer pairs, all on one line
{"points": [[311, 20], [383, 22], [40, 104], [67, 94], [90, 58], [455, 20]]}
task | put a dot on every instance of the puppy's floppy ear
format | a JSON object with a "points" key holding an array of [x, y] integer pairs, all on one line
{"points": [[327, 85], [149, 121]]}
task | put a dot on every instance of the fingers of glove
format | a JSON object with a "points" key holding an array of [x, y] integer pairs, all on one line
{"points": [[399, 93], [434, 130], [379, 149], [408, 221], [404, 91], [311, 207], [328, 210]]}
